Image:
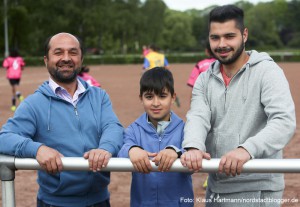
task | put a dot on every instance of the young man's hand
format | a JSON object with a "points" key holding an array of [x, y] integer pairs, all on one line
{"points": [[193, 159], [140, 159], [232, 162], [165, 159]]}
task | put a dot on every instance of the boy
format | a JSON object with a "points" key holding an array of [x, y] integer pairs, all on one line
{"points": [[157, 134]]}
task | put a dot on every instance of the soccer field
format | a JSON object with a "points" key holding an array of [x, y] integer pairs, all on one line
{"points": [[122, 84]]}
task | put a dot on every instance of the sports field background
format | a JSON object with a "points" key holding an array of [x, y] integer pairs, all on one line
{"points": [[122, 84]]}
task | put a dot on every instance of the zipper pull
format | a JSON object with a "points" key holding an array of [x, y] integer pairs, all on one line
{"points": [[75, 109]]}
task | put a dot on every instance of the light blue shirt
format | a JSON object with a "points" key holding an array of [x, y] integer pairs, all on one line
{"points": [[161, 126], [63, 93]]}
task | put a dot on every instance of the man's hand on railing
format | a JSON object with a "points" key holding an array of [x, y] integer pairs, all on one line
{"points": [[49, 159]]}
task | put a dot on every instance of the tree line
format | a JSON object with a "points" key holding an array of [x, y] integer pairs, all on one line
{"points": [[124, 26]]}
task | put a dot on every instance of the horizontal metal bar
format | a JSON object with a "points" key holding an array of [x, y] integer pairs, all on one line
{"points": [[125, 165]]}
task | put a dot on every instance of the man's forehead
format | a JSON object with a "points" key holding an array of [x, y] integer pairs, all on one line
{"points": [[64, 39]]}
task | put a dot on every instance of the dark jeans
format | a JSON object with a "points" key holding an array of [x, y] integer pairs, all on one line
{"points": [[105, 203]]}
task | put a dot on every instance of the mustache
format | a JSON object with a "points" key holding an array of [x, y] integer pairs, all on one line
{"points": [[65, 62], [223, 49]]}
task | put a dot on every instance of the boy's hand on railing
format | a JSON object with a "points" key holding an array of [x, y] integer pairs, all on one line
{"points": [[140, 159], [49, 159], [165, 159], [98, 158]]}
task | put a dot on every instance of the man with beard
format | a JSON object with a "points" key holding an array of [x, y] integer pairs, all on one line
{"points": [[65, 117], [241, 109]]}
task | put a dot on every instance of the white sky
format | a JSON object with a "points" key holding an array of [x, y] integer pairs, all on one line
{"points": [[182, 5]]}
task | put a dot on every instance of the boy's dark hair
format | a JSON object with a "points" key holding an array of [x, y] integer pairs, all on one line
{"points": [[14, 52], [228, 12], [47, 46], [153, 47], [208, 48], [156, 80]]}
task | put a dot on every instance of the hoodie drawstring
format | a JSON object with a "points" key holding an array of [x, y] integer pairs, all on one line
{"points": [[246, 82], [49, 113]]}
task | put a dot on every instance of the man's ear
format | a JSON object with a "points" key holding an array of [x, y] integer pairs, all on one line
{"points": [[45, 60], [245, 34]]}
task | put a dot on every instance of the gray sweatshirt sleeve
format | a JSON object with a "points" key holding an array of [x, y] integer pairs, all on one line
{"points": [[280, 111], [198, 117]]}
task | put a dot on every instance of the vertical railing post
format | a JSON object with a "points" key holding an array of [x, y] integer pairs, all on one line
{"points": [[7, 176]]}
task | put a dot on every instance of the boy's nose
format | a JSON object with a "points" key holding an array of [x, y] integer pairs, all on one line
{"points": [[156, 101]]}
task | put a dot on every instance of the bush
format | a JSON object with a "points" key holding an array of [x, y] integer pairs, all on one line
{"points": [[280, 56]]}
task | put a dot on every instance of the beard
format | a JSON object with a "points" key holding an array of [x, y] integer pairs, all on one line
{"points": [[63, 76], [233, 58]]}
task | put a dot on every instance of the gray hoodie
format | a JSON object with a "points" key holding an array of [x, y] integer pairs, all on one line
{"points": [[255, 111]]}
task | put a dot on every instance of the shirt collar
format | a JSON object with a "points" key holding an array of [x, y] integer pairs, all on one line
{"points": [[161, 125], [55, 87]]}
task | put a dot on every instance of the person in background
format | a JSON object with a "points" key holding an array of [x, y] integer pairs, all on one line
{"points": [[201, 67], [14, 65], [241, 109], [155, 59], [84, 74], [65, 117], [158, 134]]}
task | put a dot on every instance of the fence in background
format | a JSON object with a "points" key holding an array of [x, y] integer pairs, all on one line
{"points": [[9, 164]]}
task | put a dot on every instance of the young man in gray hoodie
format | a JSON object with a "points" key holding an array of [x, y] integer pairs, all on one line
{"points": [[241, 109]]}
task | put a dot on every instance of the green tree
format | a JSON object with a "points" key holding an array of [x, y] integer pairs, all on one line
{"points": [[177, 32], [153, 21], [262, 25]]}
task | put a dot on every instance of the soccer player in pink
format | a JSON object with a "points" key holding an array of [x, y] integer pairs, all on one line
{"points": [[87, 77], [14, 65], [201, 67]]}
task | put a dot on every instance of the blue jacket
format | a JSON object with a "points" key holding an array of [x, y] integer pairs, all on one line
{"points": [[157, 189], [44, 118]]}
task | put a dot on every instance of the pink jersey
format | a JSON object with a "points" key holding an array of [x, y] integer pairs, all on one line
{"points": [[89, 79], [200, 67], [14, 67]]}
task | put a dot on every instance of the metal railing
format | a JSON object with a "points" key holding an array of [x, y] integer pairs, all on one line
{"points": [[8, 166]]}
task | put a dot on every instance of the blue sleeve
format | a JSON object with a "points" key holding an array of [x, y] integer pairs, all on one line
{"points": [[16, 136], [166, 62], [129, 141], [112, 131], [146, 63]]}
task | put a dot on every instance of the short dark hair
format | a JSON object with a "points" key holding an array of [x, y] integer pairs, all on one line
{"points": [[153, 47], [47, 46], [14, 52], [157, 80], [225, 13], [208, 48]]}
